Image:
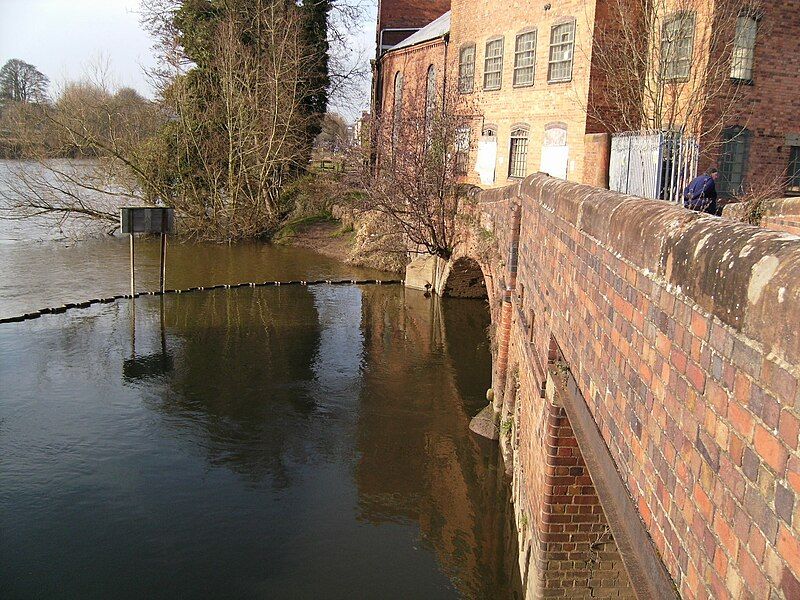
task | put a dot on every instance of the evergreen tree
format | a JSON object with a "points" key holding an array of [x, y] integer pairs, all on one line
{"points": [[316, 30]]}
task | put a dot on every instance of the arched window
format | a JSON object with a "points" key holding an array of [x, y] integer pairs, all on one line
{"points": [[555, 134], [397, 109], [518, 152], [466, 69], [733, 159], [555, 152], [430, 99]]}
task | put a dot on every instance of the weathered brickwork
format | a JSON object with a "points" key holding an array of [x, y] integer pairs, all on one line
{"points": [[779, 215], [412, 63], [681, 333]]}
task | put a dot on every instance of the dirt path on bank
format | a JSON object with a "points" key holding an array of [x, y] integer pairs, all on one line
{"points": [[324, 237]]}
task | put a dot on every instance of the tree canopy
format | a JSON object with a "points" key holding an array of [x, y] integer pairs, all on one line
{"points": [[22, 82]]}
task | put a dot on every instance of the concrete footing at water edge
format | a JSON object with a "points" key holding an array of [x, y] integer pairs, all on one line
{"points": [[423, 273], [485, 423]]}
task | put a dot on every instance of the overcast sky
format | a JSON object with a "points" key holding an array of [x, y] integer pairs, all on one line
{"points": [[61, 37]]}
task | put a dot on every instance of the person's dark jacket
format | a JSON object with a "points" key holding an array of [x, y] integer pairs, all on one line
{"points": [[701, 195]]}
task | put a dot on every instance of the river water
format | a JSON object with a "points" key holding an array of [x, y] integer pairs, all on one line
{"points": [[291, 442]]}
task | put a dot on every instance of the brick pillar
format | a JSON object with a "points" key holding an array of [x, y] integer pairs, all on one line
{"points": [[597, 159], [507, 312], [577, 553]]}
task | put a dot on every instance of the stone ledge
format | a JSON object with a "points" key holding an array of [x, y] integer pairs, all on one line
{"points": [[747, 277]]}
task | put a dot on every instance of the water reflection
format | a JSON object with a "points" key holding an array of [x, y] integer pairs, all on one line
{"points": [[153, 364], [435, 473], [269, 442]]}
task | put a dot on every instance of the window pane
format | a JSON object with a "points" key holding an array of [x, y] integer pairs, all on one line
{"points": [[493, 65], [562, 40], [677, 38], [525, 59], [462, 142], [794, 169], [466, 69], [744, 44], [733, 160], [430, 100], [397, 107], [518, 154]]}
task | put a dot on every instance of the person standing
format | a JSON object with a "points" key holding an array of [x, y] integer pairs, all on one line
{"points": [[701, 193]]}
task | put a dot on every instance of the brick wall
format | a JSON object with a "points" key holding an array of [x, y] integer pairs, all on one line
{"points": [[778, 215], [772, 99], [680, 331], [402, 14], [475, 22]]}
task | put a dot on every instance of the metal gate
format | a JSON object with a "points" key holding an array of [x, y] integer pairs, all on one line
{"points": [[653, 164]]}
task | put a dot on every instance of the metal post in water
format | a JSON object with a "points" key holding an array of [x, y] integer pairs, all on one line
{"points": [[133, 277], [163, 260]]}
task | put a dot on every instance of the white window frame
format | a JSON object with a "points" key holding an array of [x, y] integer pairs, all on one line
{"points": [[677, 47], [525, 58], [562, 52], [493, 63]]}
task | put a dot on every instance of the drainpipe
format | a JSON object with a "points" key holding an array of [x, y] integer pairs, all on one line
{"points": [[446, 39]]}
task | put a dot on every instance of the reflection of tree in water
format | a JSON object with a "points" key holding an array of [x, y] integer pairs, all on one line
{"points": [[418, 460], [243, 376]]}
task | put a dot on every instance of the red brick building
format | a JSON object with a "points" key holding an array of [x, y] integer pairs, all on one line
{"points": [[397, 21], [528, 70]]}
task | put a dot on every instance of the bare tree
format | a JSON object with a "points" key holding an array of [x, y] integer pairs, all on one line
{"points": [[22, 82], [416, 187], [239, 123], [87, 121], [335, 134], [670, 65]]}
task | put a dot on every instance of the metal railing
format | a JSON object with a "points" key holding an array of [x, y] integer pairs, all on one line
{"points": [[653, 164]]}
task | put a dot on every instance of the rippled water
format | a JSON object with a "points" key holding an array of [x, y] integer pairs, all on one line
{"points": [[283, 442]]}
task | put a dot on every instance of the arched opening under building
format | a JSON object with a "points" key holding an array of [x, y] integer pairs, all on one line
{"points": [[465, 280]]}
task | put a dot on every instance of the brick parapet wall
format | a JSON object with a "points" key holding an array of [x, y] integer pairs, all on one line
{"points": [[779, 215], [680, 330]]}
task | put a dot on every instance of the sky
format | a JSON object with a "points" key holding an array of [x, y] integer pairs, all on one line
{"points": [[62, 38]]}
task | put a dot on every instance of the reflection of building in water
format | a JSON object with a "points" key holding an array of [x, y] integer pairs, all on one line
{"points": [[437, 474]]}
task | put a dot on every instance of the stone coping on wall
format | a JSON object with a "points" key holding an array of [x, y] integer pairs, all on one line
{"points": [[745, 276], [771, 208]]}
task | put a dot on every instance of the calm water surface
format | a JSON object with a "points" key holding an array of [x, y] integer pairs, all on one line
{"points": [[249, 443]]}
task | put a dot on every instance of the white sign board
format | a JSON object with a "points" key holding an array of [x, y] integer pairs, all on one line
{"points": [[554, 161], [486, 161]]}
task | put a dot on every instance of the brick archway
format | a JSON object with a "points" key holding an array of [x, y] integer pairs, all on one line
{"points": [[464, 278]]}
